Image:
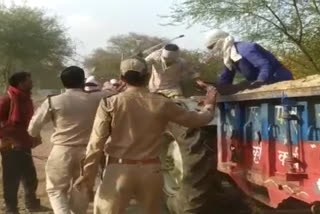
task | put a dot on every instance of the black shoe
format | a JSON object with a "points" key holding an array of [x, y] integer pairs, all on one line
{"points": [[38, 209]]}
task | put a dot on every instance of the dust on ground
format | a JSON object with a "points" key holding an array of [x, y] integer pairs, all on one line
{"points": [[43, 151]]}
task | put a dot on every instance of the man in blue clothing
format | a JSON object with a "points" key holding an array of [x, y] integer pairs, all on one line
{"points": [[256, 64]]}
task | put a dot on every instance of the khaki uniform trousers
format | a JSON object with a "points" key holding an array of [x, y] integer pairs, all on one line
{"points": [[62, 169], [122, 182]]}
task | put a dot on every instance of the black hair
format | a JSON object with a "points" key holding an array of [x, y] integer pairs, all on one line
{"points": [[73, 77], [18, 77], [171, 47], [136, 78]]}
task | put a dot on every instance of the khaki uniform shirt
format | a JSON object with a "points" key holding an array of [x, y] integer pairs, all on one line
{"points": [[73, 115], [135, 120], [168, 77]]}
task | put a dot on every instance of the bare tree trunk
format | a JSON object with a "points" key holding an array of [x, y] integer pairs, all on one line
{"points": [[316, 7]]}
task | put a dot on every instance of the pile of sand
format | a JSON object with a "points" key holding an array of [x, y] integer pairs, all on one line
{"points": [[307, 82]]}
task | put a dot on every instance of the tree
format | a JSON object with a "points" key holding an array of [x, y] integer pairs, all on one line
{"points": [[32, 41], [106, 61], [132, 43], [286, 26]]}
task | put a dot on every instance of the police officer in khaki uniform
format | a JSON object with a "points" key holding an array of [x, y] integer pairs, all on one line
{"points": [[168, 69], [127, 127], [72, 114]]}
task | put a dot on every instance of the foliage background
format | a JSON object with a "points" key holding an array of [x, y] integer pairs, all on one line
{"points": [[289, 28], [33, 42]]}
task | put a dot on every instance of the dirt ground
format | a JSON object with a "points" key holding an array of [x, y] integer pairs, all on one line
{"points": [[43, 151]]}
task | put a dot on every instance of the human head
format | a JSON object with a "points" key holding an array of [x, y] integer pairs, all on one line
{"points": [[92, 85], [170, 53], [222, 45], [215, 38], [73, 77], [21, 80], [134, 72]]}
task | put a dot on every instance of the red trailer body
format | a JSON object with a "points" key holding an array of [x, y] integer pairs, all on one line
{"points": [[269, 143]]}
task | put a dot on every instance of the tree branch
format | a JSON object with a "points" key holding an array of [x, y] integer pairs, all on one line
{"points": [[271, 17], [316, 6], [299, 19], [276, 16], [300, 46], [285, 31]]}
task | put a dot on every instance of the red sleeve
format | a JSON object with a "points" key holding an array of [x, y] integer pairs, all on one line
{"points": [[4, 108]]}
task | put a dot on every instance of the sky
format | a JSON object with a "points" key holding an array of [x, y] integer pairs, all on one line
{"points": [[91, 22]]}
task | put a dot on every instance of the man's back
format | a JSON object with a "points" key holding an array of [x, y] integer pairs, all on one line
{"points": [[73, 113], [138, 118]]}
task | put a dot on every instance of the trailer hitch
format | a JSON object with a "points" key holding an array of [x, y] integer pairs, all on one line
{"points": [[293, 173], [291, 160]]}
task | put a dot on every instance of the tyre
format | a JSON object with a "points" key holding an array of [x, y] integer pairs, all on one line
{"points": [[315, 208], [189, 165]]}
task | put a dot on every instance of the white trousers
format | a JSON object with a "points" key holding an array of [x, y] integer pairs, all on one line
{"points": [[62, 169]]}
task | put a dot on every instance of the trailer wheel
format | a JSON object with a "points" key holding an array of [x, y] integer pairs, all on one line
{"points": [[315, 208], [188, 170]]}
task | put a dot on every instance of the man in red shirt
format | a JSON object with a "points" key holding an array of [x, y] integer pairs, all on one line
{"points": [[16, 110]]}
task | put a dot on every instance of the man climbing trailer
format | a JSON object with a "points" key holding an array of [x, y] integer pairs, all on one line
{"points": [[256, 64]]}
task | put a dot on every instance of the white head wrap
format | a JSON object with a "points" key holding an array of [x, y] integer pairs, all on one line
{"points": [[95, 84], [170, 52], [113, 81], [223, 45]]}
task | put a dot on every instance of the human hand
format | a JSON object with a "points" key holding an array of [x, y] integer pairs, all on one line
{"points": [[256, 84], [81, 185], [120, 86], [211, 96], [204, 86]]}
